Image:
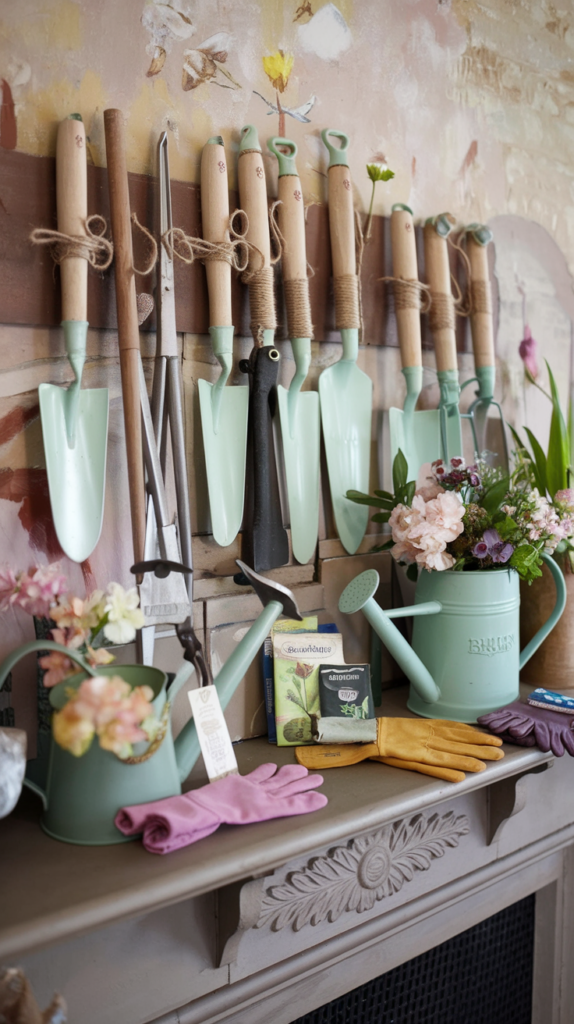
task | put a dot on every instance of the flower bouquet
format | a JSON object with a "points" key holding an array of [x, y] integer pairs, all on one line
{"points": [[470, 518], [104, 706]]}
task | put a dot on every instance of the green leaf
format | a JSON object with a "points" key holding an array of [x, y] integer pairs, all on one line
{"points": [[400, 472], [521, 446], [495, 495], [378, 173], [506, 527], [381, 517], [412, 572], [558, 444], [358, 497], [540, 465], [385, 494]]}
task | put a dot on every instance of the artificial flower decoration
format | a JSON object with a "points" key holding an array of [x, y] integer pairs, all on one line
{"points": [[83, 625], [109, 708], [124, 616]]}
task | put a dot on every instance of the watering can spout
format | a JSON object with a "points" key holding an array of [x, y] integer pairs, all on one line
{"points": [[359, 596], [276, 600]]}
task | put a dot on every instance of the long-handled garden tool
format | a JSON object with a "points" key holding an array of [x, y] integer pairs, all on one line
{"points": [[74, 422], [416, 434], [478, 237], [265, 544], [298, 411], [223, 409], [128, 326], [443, 327], [164, 596], [346, 392]]}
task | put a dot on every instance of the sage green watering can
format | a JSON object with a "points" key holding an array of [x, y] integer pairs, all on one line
{"points": [[465, 659], [83, 794]]}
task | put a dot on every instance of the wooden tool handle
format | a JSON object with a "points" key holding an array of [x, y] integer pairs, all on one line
{"points": [[128, 328], [438, 276], [480, 322], [341, 220], [405, 267], [292, 227], [253, 199], [72, 205], [215, 224]]}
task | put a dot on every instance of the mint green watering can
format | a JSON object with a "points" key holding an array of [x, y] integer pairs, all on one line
{"points": [[465, 659], [84, 794]]}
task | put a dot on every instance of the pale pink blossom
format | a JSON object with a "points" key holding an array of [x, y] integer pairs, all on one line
{"points": [[430, 490], [57, 666], [107, 706], [8, 586], [421, 533], [38, 590]]}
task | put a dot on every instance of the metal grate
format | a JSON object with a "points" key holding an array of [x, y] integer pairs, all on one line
{"points": [[482, 976]]}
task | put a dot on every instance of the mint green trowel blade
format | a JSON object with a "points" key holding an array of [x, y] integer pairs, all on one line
{"points": [[346, 395], [300, 433], [76, 475], [225, 447], [418, 436]]}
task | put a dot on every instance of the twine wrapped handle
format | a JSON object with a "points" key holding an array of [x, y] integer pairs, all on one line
{"points": [[93, 246]]}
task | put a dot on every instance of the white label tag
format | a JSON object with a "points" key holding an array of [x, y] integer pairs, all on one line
{"points": [[212, 733]]}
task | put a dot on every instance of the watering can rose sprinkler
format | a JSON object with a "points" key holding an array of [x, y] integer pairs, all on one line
{"points": [[464, 660], [83, 794]]}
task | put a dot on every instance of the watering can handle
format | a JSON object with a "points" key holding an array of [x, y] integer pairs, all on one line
{"points": [[42, 645], [555, 614]]}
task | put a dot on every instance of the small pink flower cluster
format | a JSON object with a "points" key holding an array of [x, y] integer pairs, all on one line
{"points": [[545, 519], [34, 591], [422, 532], [106, 707]]}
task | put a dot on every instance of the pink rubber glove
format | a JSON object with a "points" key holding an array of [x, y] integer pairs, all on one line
{"points": [[265, 793]]}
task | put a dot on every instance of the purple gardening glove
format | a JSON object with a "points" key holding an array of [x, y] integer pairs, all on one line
{"points": [[265, 793], [529, 726]]}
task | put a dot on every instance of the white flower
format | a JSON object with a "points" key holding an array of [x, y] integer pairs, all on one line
{"points": [[124, 615]]}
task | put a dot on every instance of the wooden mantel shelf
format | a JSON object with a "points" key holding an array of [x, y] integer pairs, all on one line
{"points": [[52, 891]]}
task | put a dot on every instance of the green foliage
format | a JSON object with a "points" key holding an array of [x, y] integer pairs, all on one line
{"points": [[494, 496], [558, 464], [378, 173], [526, 560], [404, 494], [550, 472]]}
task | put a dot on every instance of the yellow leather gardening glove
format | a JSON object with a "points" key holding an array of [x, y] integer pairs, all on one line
{"points": [[431, 746]]}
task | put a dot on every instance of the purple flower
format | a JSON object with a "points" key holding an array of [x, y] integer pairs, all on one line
{"points": [[473, 477], [493, 546], [527, 352]]}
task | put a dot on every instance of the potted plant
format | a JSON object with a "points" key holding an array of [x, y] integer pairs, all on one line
{"points": [[549, 474]]}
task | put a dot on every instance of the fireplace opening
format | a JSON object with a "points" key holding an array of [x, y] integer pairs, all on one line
{"points": [[482, 976]]}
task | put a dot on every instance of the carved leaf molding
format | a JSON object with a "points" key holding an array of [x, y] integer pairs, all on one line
{"points": [[359, 874]]}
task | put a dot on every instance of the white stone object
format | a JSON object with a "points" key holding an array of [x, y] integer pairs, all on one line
{"points": [[12, 768]]}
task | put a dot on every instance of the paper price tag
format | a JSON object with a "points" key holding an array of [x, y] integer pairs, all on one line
{"points": [[212, 733]]}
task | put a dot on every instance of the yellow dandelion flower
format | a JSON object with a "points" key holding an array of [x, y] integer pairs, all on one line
{"points": [[278, 66]]}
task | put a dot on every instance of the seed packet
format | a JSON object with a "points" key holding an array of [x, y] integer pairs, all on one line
{"points": [[308, 624], [296, 673], [346, 704]]}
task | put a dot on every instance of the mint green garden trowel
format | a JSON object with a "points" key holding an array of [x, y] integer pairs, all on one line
{"points": [[223, 409], [346, 392], [298, 410], [74, 422]]}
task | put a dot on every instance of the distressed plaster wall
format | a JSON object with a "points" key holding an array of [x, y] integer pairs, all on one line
{"points": [[470, 103]]}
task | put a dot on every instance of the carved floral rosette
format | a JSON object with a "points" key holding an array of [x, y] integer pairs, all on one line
{"points": [[357, 875]]}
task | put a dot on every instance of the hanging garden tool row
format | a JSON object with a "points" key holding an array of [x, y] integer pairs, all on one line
{"points": [[240, 423]]}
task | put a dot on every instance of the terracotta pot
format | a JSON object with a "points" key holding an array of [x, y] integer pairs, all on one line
{"points": [[552, 665]]}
